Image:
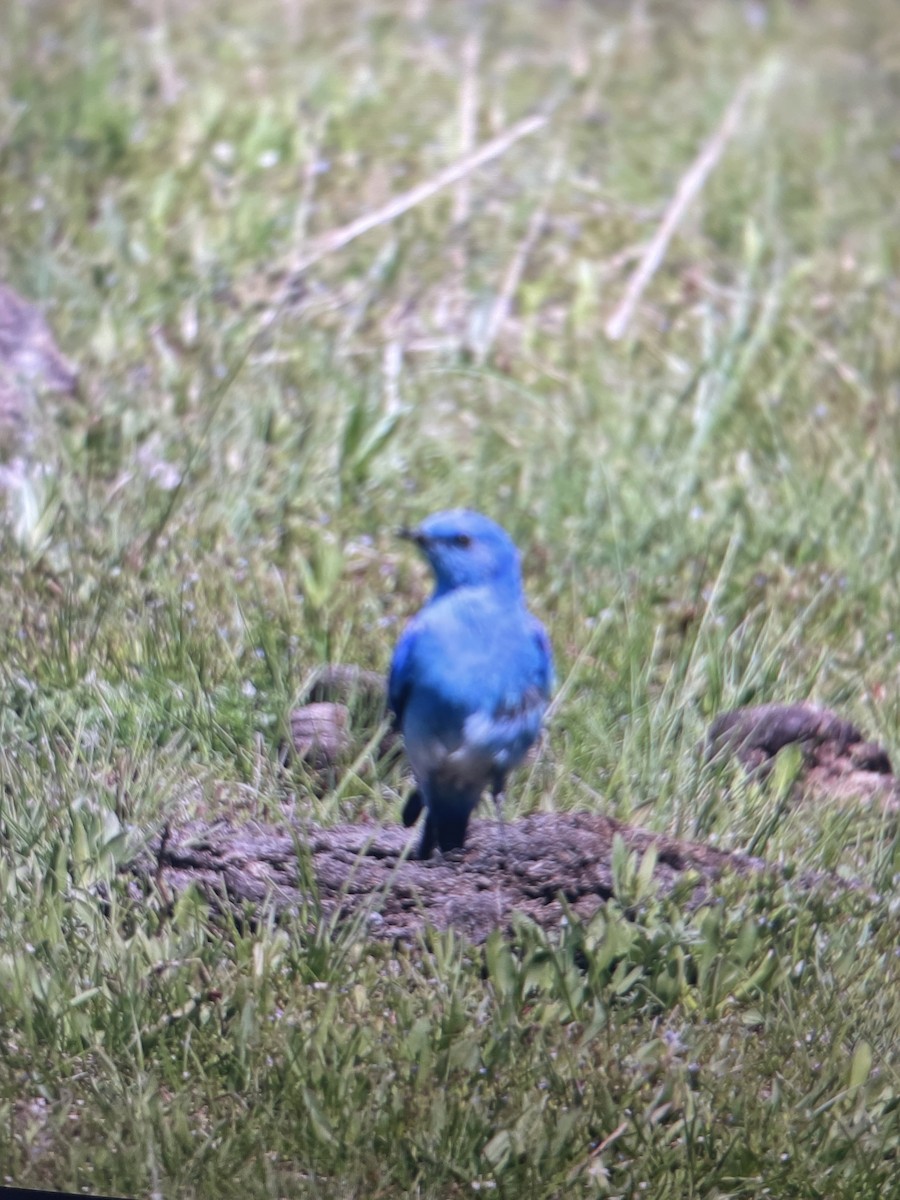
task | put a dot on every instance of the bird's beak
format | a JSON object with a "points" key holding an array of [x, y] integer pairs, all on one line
{"points": [[411, 535]]}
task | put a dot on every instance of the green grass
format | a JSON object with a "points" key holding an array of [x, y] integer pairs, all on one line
{"points": [[709, 512]]}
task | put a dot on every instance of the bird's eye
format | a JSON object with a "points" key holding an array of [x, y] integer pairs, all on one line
{"points": [[462, 540]]}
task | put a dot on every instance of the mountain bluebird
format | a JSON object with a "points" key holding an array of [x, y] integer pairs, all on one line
{"points": [[471, 675]]}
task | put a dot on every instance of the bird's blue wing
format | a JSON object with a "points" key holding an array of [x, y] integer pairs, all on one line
{"points": [[400, 677], [545, 672], [505, 729]]}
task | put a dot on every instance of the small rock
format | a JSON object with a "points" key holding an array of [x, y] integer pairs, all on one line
{"points": [[839, 763], [320, 733]]}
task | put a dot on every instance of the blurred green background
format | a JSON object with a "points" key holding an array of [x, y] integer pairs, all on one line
{"points": [[708, 508]]}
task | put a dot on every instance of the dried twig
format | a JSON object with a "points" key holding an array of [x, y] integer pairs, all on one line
{"points": [[689, 187], [608, 1141], [468, 121], [847, 374], [336, 239], [503, 303], [309, 179]]}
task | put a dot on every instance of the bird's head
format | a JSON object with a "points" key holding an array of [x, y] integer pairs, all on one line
{"points": [[466, 549]]}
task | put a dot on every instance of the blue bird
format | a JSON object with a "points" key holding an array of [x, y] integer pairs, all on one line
{"points": [[471, 675]]}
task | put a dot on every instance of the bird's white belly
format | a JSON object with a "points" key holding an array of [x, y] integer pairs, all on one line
{"points": [[466, 762]]}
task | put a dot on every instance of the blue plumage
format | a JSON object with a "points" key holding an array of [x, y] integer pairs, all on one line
{"points": [[471, 676]]}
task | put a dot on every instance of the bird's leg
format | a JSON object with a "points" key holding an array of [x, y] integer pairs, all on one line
{"points": [[412, 809], [428, 840], [498, 795]]}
